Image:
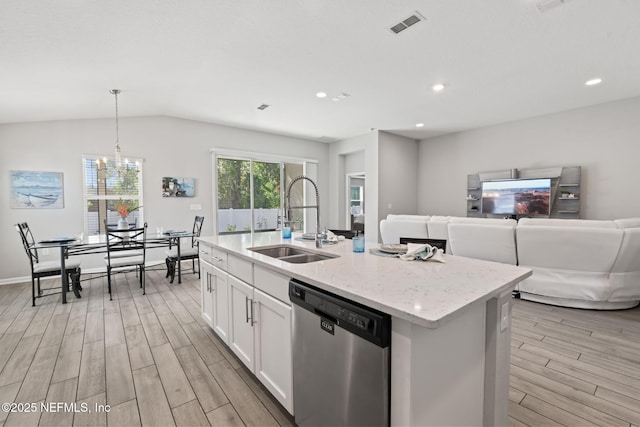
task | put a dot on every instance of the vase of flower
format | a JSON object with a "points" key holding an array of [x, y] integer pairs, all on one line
{"points": [[123, 224], [124, 209]]}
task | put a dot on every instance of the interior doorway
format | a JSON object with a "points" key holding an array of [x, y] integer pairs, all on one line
{"points": [[355, 203]]}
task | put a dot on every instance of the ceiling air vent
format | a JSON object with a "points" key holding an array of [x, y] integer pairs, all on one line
{"points": [[406, 23], [340, 97], [546, 5], [263, 107]]}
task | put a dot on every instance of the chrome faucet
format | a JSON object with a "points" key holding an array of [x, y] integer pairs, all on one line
{"points": [[288, 206]]}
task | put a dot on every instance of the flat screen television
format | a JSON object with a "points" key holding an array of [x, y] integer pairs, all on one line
{"points": [[517, 197]]}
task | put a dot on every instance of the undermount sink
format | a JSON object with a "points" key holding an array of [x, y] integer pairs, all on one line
{"points": [[292, 254]]}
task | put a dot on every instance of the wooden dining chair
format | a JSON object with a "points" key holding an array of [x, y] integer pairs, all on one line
{"points": [[41, 269], [187, 252], [126, 251]]}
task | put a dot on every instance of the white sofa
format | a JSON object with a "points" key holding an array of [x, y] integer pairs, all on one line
{"points": [[571, 262], [438, 228], [576, 263], [488, 239], [396, 226]]}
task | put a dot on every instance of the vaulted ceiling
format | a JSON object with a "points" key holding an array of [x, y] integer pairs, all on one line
{"points": [[219, 60]]}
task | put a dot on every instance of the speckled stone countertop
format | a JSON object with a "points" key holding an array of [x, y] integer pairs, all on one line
{"points": [[423, 293]]}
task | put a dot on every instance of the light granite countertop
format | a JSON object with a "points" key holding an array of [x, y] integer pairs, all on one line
{"points": [[423, 293]]}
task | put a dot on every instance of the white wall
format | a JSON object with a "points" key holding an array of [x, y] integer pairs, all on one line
{"points": [[368, 143], [398, 175], [354, 162], [603, 139], [170, 147]]}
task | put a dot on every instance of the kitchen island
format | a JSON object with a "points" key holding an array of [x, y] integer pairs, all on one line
{"points": [[450, 321]]}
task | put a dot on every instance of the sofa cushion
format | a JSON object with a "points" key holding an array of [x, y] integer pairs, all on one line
{"points": [[571, 263], [561, 283], [485, 221], [625, 274], [582, 223], [391, 230], [438, 228], [627, 222], [489, 242], [395, 217], [571, 249]]}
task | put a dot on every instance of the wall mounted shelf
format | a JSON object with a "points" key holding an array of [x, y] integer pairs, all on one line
{"points": [[566, 177]]}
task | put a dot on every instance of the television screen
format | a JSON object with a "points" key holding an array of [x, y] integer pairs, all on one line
{"points": [[517, 197]]}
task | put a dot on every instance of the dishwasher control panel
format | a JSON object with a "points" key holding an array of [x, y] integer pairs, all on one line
{"points": [[368, 323]]}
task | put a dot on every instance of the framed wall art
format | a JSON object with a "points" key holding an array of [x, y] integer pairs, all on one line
{"points": [[36, 190], [178, 187]]}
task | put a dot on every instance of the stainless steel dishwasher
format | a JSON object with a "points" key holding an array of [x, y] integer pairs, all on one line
{"points": [[341, 360]]}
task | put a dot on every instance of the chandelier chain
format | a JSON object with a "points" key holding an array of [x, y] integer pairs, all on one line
{"points": [[115, 92]]}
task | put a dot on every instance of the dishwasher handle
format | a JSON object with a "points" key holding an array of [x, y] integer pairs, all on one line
{"points": [[325, 315]]}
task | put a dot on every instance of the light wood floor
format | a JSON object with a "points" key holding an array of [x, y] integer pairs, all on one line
{"points": [[574, 367], [150, 357], [155, 362]]}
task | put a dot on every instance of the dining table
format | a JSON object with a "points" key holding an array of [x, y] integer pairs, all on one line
{"points": [[96, 244]]}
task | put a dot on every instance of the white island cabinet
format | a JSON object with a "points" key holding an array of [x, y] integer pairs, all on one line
{"points": [[241, 322], [254, 324], [450, 341], [206, 293], [214, 290]]}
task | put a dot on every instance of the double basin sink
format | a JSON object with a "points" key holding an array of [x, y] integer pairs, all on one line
{"points": [[292, 254]]}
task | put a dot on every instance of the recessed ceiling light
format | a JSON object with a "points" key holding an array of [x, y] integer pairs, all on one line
{"points": [[321, 95], [437, 87], [593, 82], [263, 107], [419, 125]]}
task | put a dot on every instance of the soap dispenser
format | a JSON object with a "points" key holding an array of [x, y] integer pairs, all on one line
{"points": [[358, 242]]}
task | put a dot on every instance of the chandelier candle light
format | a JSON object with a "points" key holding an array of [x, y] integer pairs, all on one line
{"points": [[119, 164]]}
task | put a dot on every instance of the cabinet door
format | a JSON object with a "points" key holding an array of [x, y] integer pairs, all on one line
{"points": [[240, 320], [206, 302], [272, 333], [220, 303]]}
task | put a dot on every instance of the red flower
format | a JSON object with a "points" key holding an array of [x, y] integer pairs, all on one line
{"points": [[123, 211]]}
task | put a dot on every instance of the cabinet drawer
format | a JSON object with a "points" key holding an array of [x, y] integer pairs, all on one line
{"points": [[213, 256], [272, 283], [240, 268]]}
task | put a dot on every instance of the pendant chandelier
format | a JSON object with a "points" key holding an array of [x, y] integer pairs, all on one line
{"points": [[119, 164]]}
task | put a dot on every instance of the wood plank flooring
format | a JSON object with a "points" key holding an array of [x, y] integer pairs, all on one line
{"points": [[574, 367], [155, 362], [150, 357]]}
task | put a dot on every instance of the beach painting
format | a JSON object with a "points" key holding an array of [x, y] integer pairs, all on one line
{"points": [[178, 187], [36, 190]]}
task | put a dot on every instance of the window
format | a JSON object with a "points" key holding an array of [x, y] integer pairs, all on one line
{"points": [[109, 192], [250, 194], [356, 199]]}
